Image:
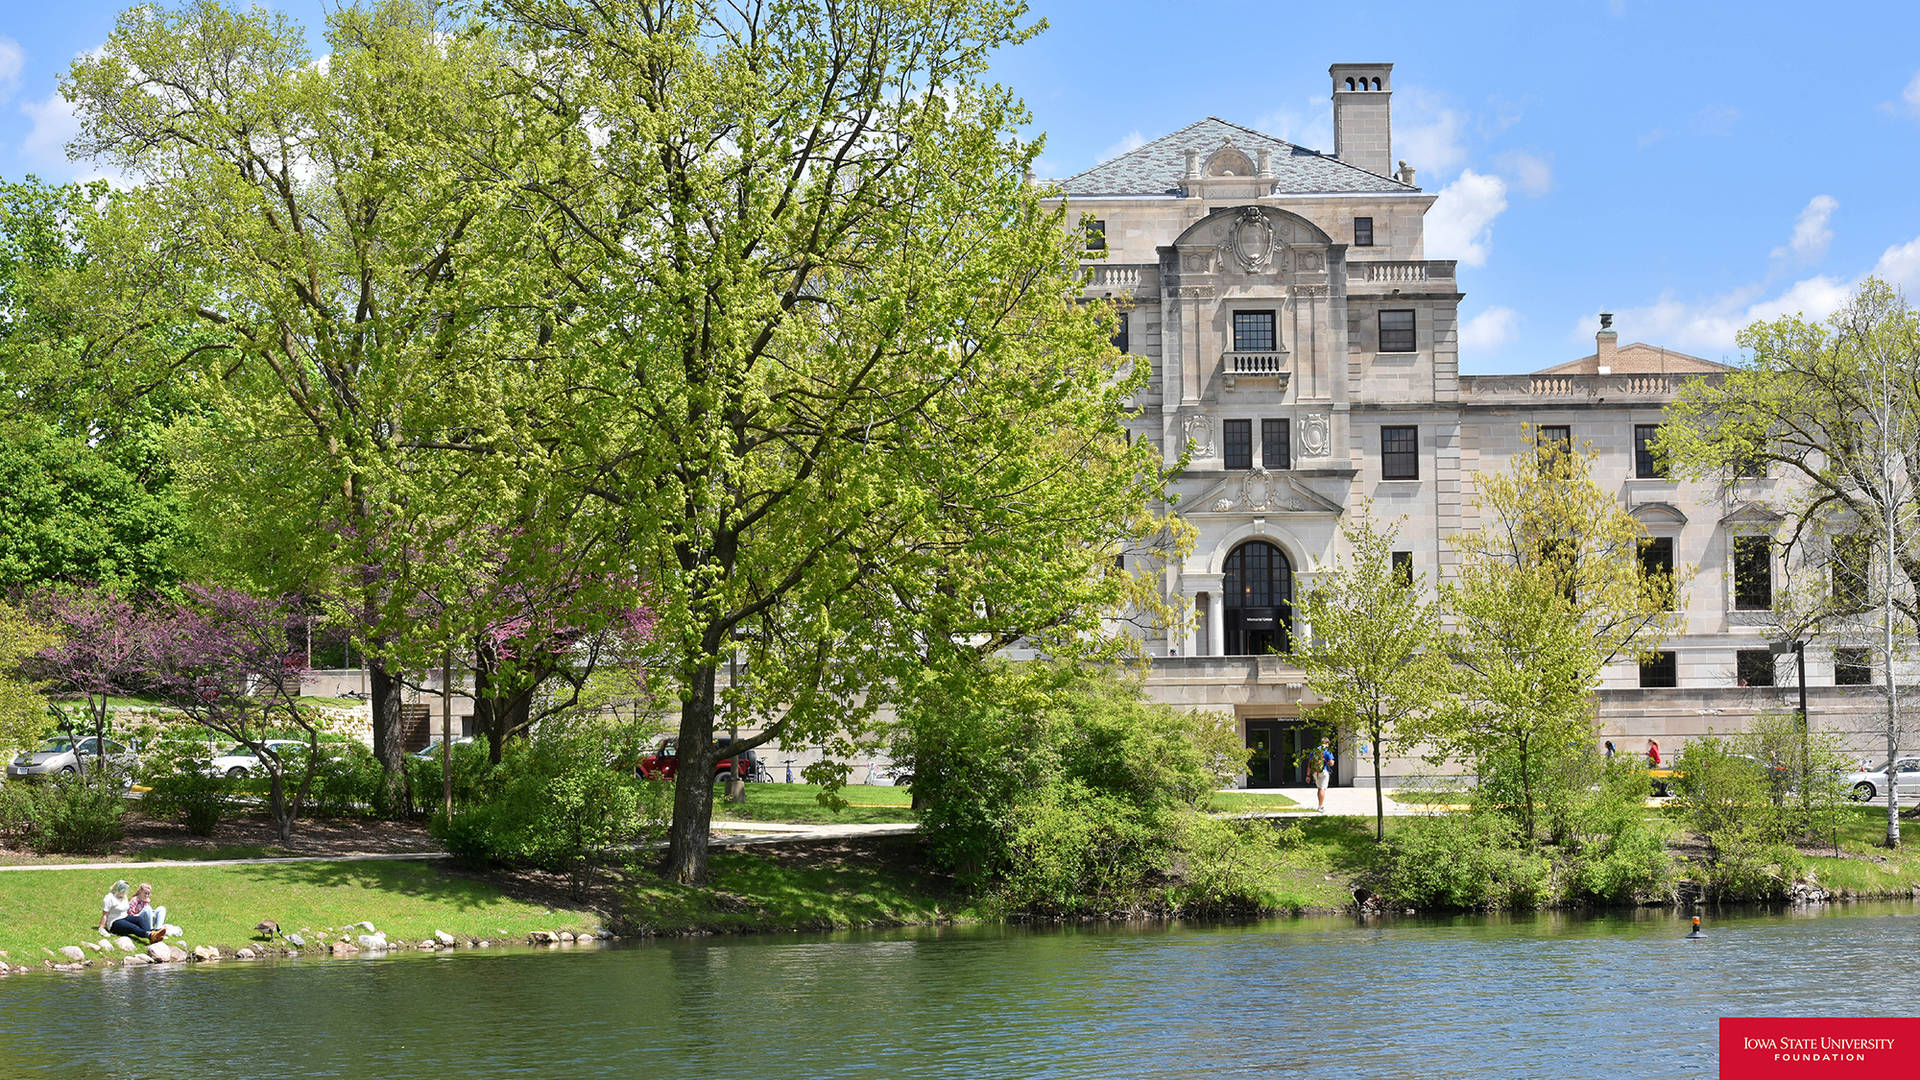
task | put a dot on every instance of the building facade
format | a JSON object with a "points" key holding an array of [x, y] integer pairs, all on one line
{"points": [[1304, 352]]}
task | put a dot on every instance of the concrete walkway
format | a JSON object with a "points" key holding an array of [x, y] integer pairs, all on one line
{"points": [[1341, 801]]}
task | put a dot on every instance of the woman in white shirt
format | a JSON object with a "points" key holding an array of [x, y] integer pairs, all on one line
{"points": [[115, 919]]}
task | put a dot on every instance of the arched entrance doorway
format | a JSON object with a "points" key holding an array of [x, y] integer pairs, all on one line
{"points": [[1258, 600]]}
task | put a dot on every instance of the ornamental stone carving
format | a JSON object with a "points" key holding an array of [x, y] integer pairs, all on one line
{"points": [[1199, 432], [1257, 490], [1251, 240], [1222, 506], [1316, 438]]}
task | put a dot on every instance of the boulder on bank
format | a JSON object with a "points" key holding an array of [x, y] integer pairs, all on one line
{"points": [[375, 942], [542, 937], [73, 952]]}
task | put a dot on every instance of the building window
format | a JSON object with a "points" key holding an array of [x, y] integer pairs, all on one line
{"points": [[1399, 453], [1750, 466], [1559, 435], [1656, 562], [1120, 339], [1752, 573], [1239, 443], [1258, 600], [1852, 568], [1645, 465], [1363, 232], [1753, 667], [1396, 331], [1660, 670], [1403, 567], [1096, 236], [1253, 331], [1276, 444], [1852, 667]]}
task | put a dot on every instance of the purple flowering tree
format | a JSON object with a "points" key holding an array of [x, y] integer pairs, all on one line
{"points": [[224, 658], [106, 647]]}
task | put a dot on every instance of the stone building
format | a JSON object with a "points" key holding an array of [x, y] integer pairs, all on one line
{"points": [[1306, 350]]}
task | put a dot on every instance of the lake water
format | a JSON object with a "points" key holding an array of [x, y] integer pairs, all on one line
{"points": [[1616, 997]]}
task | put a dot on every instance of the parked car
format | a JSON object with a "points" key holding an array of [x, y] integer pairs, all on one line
{"points": [[431, 751], [238, 762], [664, 762], [1870, 784], [59, 754]]}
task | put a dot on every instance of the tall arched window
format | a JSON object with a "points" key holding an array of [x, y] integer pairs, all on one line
{"points": [[1258, 600]]}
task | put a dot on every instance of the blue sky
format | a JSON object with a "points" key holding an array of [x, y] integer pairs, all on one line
{"points": [[1687, 166]]}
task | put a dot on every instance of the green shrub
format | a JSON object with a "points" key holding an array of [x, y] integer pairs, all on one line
{"points": [[554, 804], [1062, 792], [16, 811], [77, 817], [1616, 854], [470, 771], [1462, 862], [179, 789], [347, 781]]}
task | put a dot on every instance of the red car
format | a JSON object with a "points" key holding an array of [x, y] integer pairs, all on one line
{"points": [[664, 763]]}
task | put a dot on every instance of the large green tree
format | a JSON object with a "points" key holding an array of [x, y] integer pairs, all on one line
{"points": [[824, 354], [1550, 589], [1374, 655], [365, 425], [23, 708], [1832, 409]]}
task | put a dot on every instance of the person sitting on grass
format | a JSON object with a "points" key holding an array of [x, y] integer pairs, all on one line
{"points": [[118, 914]]}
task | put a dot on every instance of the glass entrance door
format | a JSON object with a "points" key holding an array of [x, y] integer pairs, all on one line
{"points": [[1260, 761]]}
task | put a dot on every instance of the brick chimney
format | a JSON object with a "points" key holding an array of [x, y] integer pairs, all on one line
{"points": [[1605, 344], [1362, 116]]}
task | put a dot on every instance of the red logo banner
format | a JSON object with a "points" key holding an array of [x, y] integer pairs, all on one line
{"points": [[1816, 1048]]}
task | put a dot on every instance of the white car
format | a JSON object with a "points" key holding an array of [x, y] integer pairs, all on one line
{"points": [[1870, 784], [237, 761]]}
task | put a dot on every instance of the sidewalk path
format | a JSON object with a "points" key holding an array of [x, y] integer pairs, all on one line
{"points": [[1341, 802], [735, 833]]}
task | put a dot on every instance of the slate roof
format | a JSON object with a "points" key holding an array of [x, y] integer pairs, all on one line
{"points": [[1156, 168], [1638, 358]]}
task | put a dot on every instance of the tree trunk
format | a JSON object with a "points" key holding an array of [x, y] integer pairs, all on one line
{"points": [[693, 787], [277, 803], [1379, 796], [389, 740]]}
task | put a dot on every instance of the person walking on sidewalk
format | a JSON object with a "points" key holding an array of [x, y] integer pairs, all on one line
{"points": [[1322, 772]]}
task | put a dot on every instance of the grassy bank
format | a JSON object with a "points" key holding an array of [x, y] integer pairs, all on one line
{"points": [[220, 905], [800, 804]]}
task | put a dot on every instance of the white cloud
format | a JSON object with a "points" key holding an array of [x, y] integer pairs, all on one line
{"points": [[1811, 231], [53, 126], [12, 60], [1911, 95], [1899, 266], [1531, 173], [1430, 137], [1490, 329], [1460, 225], [1128, 143], [1708, 326], [1309, 125]]}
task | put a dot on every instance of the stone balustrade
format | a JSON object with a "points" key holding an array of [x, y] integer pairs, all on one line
{"points": [[1571, 388], [1255, 363], [1418, 272]]}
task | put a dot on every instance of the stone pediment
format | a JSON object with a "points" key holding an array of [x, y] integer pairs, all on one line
{"points": [[1754, 516], [1258, 491], [1659, 513]]}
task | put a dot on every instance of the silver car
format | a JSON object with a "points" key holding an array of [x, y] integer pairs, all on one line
{"points": [[1870, 784], [239, 762], [59, 754]]}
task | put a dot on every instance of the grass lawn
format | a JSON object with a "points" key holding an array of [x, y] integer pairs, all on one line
{"points": [[219, 905], [1866, 866], [1243, 802], [1317, 859], [800, 804], [874, 882]]}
